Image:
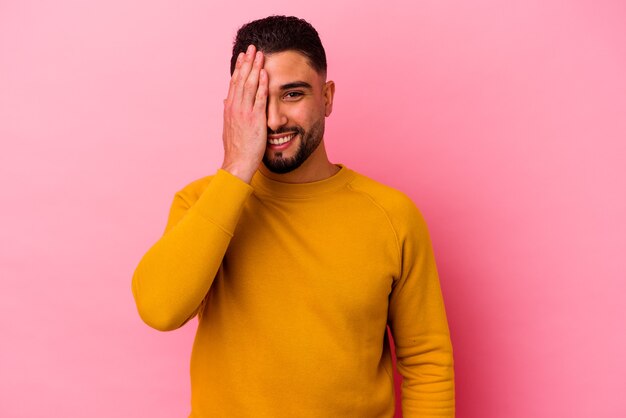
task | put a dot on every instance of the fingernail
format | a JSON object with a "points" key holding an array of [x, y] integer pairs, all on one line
{"points": [[249, 49]]}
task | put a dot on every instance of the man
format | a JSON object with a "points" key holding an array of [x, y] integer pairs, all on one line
{"points": [[294, 265]]}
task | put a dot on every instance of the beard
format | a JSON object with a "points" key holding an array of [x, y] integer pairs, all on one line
{"points": [[309, 141]]}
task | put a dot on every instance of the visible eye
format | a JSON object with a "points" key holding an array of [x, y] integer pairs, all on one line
{"points": [[293, 95]]}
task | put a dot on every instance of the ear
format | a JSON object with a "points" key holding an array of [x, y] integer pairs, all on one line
{"points": [[329, 94]]}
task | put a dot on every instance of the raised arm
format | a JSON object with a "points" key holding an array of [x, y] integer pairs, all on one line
{"points": [[176, 273]]}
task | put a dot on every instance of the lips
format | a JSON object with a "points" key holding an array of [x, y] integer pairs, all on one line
{"points": [[280, 139], [280, 142]]}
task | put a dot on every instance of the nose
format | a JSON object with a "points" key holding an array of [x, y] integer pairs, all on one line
{"points": [[275, 116]]}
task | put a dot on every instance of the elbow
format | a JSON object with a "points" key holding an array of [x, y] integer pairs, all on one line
{"points": [[155, 316], [153, 310], [159, 322]]}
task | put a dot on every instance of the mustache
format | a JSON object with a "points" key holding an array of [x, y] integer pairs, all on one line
{"points": [[285, 129]]}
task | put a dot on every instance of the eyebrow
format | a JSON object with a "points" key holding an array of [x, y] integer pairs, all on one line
{"points": [[295, 85]]}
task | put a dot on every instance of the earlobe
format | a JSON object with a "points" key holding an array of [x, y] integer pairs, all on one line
{"points": [[329, 94]]}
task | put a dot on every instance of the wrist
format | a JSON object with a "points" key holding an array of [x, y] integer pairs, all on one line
{"points": [[242, 171]]}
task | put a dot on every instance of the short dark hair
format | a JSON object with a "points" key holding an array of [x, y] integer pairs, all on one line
{"points": [[281, 33]]}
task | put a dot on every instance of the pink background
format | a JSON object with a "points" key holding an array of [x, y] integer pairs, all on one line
{"points": [[504, 121]]}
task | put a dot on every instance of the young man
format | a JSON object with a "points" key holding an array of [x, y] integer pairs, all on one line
{"points": [[294, 265]]}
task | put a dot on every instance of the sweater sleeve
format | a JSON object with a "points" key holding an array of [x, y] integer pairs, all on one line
{"points": [[419, 326], [176, 273]]}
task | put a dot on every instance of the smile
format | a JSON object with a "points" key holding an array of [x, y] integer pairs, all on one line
{"points": [[281, 140]]}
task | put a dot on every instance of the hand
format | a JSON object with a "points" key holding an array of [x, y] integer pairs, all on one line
{"points": [[245, 120]]}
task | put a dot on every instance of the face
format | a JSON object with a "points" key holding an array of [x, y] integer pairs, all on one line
{"points": [[299, 101]]}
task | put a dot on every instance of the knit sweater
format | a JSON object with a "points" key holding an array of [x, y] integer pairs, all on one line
{"points": [[294, 286]]}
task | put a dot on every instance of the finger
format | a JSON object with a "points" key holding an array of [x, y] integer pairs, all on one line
{"points": [[252, 83], [233, 78], [244, 71], [260, 99]]}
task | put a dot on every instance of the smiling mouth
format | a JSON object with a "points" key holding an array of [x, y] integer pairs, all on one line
{"points": [[281, 140]]}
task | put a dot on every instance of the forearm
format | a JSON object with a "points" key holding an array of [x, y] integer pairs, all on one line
{"points": [[426, 365], [424, 350], [175, 274]]}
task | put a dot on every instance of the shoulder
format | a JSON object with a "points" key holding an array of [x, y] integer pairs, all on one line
{"points": [[393, 201], [397, 205]]}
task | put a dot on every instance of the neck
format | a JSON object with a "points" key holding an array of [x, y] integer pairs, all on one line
{"points": [[317, 167]]}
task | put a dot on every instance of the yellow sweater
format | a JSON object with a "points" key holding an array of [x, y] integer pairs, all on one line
{"points": [[294, 285]]}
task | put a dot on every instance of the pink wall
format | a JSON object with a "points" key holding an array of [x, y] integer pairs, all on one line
{"points": [[505, 121]]}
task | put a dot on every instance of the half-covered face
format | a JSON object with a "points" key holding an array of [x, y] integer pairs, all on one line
{"points": [[298, 102]]}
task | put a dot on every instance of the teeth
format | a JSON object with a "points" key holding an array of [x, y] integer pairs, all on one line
{"points": [[278, 141]]}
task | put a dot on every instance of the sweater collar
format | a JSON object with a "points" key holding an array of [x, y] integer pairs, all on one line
{"points": [[263, 185]]}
